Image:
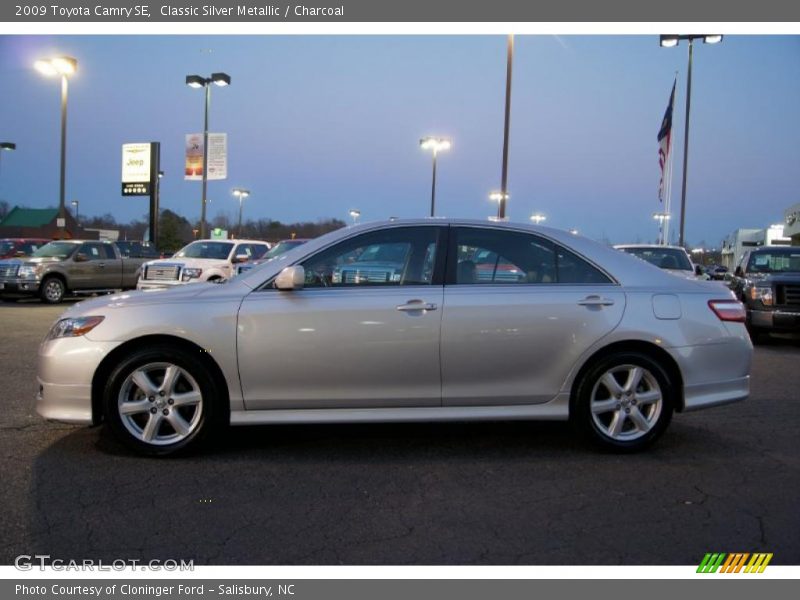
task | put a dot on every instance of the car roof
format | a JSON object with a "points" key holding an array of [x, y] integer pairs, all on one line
{"points": [[237, 241], [648, 246]]}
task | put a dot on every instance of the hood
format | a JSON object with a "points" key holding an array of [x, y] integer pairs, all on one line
{"points": [[174, 261], [139, 298], [40, 260], [790, 278]]}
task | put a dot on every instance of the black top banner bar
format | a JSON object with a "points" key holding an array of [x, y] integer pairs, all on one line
{"points": [[342, 11]]}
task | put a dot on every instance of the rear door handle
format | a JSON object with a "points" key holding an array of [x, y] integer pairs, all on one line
{"points": [[596, 301], [413, 305]]}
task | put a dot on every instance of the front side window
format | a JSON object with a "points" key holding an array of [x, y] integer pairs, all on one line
{"points": [[392, 257], [493, 256], [93, 251]]}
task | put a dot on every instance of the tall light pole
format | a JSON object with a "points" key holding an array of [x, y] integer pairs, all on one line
{"points": [[669, 41], [241, 195], [436, 145], [662, 218], [196, 81], [7, 147], [75, 204], [63, 66], [501, 207]]}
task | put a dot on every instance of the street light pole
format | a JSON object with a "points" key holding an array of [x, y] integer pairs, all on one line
{"points": [[436, 145], [196, 81], [501, 207], [669, 41], [241, 194], [63, 66], [7, 147]]}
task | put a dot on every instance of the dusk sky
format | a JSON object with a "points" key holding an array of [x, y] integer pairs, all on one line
{"points": [[318, 125]]}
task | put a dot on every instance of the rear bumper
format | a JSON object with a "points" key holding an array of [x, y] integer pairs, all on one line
{"points": [[775, 320], [706, 395]]}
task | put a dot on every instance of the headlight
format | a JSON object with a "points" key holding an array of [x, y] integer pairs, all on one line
{"points": [[29, 271], [191, 274], [764, 294], [73, 327]]}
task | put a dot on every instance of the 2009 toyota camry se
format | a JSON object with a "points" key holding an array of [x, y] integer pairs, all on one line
{"points": [[404, 321]]}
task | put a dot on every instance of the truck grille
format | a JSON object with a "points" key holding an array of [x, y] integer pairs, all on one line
{"points": [[8, 270], [788, 295], [162, 272]]}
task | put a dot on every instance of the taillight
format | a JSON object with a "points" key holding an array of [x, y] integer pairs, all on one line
{"points": [[728, 310]]}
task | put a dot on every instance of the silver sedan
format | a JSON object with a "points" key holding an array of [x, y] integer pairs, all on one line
{"points": [[420, 320]]}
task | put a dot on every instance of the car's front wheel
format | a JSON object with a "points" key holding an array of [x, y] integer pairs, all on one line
{"points": [[52, 290], [624, 401], [162, 401]]}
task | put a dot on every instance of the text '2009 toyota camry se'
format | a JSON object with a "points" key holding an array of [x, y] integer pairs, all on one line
{"points": [[422, 320]]}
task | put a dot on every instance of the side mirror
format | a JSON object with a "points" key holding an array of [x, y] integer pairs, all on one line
{"points": [[81, 257], [291, 278], [240, 258], [739, 272]]}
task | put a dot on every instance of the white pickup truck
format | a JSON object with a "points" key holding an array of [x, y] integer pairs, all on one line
{"points": [[202, 260]]}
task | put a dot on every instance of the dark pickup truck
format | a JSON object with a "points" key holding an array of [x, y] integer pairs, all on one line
{"points": [[70, 266], [767, 281]]}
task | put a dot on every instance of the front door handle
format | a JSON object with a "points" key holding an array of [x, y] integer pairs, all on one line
{"points": [[413, 305], [596, 301]]}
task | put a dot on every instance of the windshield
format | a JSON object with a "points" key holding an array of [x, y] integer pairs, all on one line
{"points": [[282, 247], [55, 250], [214, 250], [778, 261], [663, 258]]}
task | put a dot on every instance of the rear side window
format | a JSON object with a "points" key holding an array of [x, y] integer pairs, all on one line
{"points": [[494, 256]]}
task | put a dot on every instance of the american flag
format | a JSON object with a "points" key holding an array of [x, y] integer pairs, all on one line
{"points": [[665, 142]]}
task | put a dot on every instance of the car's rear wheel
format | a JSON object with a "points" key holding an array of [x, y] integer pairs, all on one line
{"points": [[162, 401], [52, 290], [624, 401]]}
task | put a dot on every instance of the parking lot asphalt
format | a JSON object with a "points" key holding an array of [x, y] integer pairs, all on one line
{"points": [[723, 480]]}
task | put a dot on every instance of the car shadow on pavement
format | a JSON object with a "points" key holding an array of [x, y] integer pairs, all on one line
{"points": [[424, 493]]}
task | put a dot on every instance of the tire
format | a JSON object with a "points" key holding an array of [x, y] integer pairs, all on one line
{"points": [[623, 414], [52, 290], [162, 401]]}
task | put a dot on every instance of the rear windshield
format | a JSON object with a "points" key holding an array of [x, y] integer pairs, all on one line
{"points": [[214, 250], [663, 258], [55, 250], [779, 261]]}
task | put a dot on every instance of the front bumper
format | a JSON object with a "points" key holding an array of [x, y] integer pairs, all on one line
{"points": [[775, 320], [65, 371], [19, 286]]}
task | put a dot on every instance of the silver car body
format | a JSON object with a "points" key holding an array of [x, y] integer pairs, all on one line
{"points": [[504, 351]]}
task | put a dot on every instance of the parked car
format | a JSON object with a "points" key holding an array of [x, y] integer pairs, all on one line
{"points": [[20, 247], [275, 251], [607, 341], [717, 272], [673, 259], [69, 266], [202, 260], [767, 281]]}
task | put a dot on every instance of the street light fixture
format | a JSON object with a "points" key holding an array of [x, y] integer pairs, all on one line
{"points": [[241, 195], [436, 145], [498, 196], [355, 214], [63, 66], [538, 218], [196, 81], [7, 147], [662, 218], [670, 41]]}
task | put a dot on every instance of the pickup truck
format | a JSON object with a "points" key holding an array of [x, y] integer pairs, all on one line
{"points": [[767, 281], [202, 260], [69, 266]]}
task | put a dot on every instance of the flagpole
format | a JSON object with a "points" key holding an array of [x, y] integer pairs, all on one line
{"points": [[668, 202]]}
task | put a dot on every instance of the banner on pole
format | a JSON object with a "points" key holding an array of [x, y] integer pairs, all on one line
{"points": [[217, 156]]}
